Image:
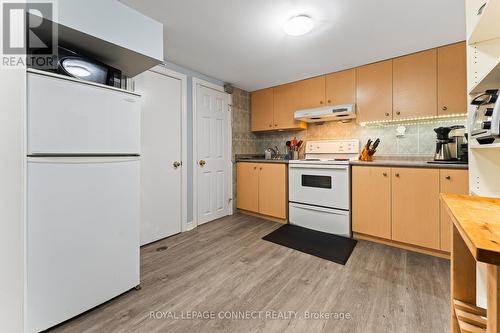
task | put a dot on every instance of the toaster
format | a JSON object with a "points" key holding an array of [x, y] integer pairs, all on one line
{"points": [[486, 120]]}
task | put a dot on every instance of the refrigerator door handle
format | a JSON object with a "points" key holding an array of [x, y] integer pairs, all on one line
{"points": [[83, 159]]}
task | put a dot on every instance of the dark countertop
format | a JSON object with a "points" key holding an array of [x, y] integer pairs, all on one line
{"points": [[252, 158], [383, 161], [410, 162]]}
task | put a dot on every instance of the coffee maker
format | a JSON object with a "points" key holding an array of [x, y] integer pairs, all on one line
{"points": [[450, 150]]}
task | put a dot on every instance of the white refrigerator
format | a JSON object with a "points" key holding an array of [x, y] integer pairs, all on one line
{"points": [[83, 197]]}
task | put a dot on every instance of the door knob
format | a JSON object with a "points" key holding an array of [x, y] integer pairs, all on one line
{"points": [[202, 163], [177, 164]]}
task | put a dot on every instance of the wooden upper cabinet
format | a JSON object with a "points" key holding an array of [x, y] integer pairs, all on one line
{"points": [[262, 104], [374, 91], [371, 209], [273, 197], [285, 103], [415, 207], [288, 99], [311, 92], [247, 186], [452, 79], [423, 84], [340, 87], [415, 85], [455, 182]]}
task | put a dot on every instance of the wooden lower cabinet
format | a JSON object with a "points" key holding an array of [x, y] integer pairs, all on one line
{"points": [[415, 206], [262, 188], [273, 190], [371, 196], [455, 182], [247, 186], [402, 204]]}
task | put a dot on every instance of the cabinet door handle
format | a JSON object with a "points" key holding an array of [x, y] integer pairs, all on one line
{"points": [[275, 125], [398, 113], [387, 114], [320, 102], [255, 168], [397, 174], [260, 168], [177, 164], [385, 174], [270, 125], [448, 177], [445, 108], [329, 101]]}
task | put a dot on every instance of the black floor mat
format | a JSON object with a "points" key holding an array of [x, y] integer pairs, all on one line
{"points": [[320, 244]]}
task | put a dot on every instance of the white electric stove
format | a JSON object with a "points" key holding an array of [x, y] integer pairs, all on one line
{"points": [[320, 186]]}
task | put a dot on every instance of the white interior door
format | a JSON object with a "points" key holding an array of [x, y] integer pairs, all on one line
{"points": [[161, 169], [212, 150]]}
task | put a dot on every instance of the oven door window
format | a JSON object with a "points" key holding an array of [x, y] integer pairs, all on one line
{"points": [[317, 181]]}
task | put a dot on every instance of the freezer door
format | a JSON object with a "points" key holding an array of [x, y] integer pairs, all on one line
{"points": [[68, 117], [82, 235]]}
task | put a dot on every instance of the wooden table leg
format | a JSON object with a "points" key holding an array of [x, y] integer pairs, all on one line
{"points": [[493, 287], [463, 276]]}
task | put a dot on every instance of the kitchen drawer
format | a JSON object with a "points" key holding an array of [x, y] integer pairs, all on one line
{"points": [[333, 221]]}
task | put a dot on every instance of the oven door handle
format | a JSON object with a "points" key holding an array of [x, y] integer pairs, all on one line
{"points": [[316, 166], [320, 209]]}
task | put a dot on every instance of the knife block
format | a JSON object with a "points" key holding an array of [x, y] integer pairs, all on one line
{"points": [[365, 156]]}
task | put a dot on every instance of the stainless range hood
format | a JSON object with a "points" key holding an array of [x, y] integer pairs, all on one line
{"points": [[327, 113]]}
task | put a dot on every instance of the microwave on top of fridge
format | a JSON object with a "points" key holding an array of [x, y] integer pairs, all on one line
{"points": [[72, 64]]}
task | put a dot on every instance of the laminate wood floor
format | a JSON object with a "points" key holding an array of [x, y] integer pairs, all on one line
{"points": [[225, 266]]}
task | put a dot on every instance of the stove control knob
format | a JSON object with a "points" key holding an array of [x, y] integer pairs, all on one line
{"points": [[486, 125]]}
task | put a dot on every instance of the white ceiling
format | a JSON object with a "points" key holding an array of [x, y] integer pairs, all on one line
{"points": [[242, 41]]}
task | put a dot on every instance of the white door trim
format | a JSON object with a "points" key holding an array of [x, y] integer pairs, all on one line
{"points": [[161, 69], [229, 180]]}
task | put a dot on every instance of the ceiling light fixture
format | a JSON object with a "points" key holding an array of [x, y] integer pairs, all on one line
{"points": [[298, 25]]}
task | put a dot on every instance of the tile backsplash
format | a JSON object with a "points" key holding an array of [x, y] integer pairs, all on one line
{"points": [[418, 140]]}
